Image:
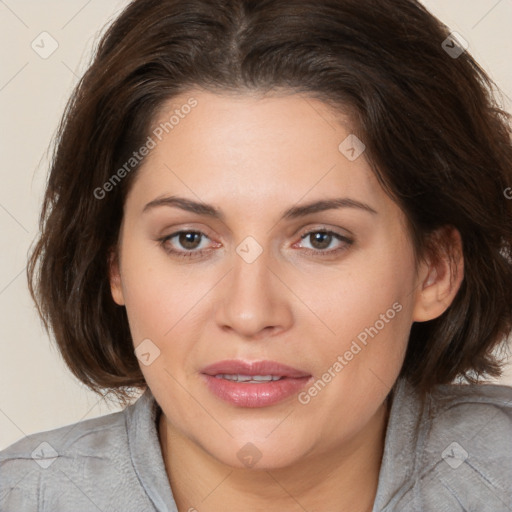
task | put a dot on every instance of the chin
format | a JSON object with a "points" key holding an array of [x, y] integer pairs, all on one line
{"points": [[257, 454]]}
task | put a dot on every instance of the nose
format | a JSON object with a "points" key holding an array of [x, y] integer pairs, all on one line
{"points": [[255, 301]]}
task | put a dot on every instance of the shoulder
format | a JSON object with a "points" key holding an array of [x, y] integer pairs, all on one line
{"points": [[65, 440], [475, 421], [80, 439], [465, 449], [473, 405], [30, 463], [68, 467], [450, 452]]}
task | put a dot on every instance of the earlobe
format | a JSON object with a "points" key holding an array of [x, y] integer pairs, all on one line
{"points": [[439, 279], [116, 288]]}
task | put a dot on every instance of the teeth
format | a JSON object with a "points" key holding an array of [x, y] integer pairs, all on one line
{"points": [[248, 378]]}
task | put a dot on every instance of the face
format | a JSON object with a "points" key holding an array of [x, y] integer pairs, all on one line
{"points": [[320, 300]]}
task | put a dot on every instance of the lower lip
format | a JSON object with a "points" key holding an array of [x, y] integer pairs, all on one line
{"points": [[245, 394]]}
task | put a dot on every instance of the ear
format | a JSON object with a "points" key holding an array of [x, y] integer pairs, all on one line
{"points": [[116, 287], [440, 275]]}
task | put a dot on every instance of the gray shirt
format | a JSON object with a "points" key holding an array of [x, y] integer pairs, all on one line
{"points": [[452, 453]]}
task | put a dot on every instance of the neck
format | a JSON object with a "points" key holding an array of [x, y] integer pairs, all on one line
{"points": [[344, 479]]}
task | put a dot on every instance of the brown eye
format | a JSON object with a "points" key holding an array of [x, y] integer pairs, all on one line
{"points": [[320, 240], [184, 244], [189, 239]]}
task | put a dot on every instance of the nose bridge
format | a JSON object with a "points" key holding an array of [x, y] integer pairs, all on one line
{"points": [[251, 272], [254, 299]]}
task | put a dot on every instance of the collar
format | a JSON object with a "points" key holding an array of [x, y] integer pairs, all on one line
{"points": [[145, 452]]}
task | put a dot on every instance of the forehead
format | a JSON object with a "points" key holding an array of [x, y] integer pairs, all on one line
{"points": [[254, 152]]}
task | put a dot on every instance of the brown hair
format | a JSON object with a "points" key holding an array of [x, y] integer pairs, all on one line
{"points": [[435, 137]]}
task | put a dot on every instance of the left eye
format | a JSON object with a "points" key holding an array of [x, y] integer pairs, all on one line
{"points": [[323, 238]]}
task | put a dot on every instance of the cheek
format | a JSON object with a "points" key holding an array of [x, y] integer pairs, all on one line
{"points": [[358, 364], [374, 295], [164, 302], [151, 293], [370, 312], [146, 304], [368, 346]]}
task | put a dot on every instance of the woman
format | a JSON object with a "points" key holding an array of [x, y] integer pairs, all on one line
{"points": [[286, 223]]}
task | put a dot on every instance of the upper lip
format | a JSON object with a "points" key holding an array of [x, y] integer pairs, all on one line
{"points": [[238, 367]]}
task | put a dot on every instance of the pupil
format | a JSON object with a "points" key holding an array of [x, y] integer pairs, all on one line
{"points": [[320, 235], [186, 239]]}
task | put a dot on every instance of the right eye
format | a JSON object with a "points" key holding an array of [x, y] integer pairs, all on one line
{"points": [[188, 240]]}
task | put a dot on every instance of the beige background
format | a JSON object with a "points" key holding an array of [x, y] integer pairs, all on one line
{"points": [[37, 392]]}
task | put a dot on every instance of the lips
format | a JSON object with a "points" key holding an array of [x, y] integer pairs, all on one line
{"points": [[253, 384], [234, 367]]}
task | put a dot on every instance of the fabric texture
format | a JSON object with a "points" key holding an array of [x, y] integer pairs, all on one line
{"points": [[452, 453]]}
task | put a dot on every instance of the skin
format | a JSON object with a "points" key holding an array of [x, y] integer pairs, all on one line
{"points": [[252, 158]]}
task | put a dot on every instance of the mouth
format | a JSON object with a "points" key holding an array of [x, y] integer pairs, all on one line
{"points": [[253, 384], [253, 379]]}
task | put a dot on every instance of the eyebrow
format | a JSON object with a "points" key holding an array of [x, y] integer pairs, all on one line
{"points": [[292, 213]]}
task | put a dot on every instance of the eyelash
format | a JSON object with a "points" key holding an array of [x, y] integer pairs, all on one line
{"points": [[200, 253]]}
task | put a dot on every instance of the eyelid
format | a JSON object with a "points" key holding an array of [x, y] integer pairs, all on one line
{"points": [[343, 232]]}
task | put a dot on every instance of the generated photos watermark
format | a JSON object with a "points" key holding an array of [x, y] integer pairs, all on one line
{"points": [[305, 397], [151, 142]]}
